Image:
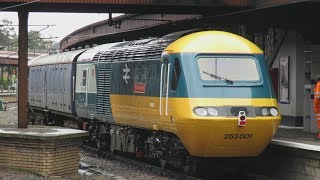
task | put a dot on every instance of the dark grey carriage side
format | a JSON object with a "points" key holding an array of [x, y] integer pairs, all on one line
{"points": [[36, 86], [51, 79]]}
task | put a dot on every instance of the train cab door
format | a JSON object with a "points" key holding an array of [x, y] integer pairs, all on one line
{"points": [[164, 91], [85, 83], [81, 95]]}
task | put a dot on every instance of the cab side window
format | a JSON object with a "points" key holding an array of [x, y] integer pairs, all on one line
{"points": [[84, 78], [175, 75]]}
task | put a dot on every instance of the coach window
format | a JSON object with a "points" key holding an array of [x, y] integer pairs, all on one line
{"points": [[84, 78], [175, 74]]}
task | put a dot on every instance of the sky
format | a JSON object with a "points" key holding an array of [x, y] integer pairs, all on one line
{"points": [[64, 23]]}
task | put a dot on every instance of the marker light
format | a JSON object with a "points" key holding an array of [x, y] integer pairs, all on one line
{"points": [[264, 111], [274, 112], [212, 111], [242, 119], [201, 111]]}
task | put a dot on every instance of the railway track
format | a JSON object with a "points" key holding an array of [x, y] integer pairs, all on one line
{"points": [[127, 160]]}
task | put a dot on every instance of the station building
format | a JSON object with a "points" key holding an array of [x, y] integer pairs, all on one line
{"points": [[9, 70], [287, 32]]}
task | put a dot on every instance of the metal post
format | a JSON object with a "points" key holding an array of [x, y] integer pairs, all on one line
{"points": [[23, 69]]}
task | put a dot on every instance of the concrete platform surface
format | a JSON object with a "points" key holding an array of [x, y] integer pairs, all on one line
{"points": [[8, 97], [296, 137], [47, 151], [42, 132]]}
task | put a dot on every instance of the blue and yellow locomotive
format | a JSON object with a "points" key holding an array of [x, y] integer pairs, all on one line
{"points": [[188, 94]]}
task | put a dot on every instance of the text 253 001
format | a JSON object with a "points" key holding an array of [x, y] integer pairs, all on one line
{"points": [[238, 136]]}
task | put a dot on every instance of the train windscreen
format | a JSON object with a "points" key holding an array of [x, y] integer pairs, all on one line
{"points": [[228, 69]]}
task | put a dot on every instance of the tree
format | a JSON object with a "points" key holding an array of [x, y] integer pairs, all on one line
{"points": [[7, 33], [9, 38], [36, 41]]}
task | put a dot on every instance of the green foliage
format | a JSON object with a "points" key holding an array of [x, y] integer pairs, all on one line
{"points": [[7, 33], [35, 40], [4, 82], [8, 36]]}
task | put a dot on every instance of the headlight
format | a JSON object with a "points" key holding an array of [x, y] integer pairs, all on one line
{"points": [[212, 111], [274, 112], [201, 111], [264, 111]]}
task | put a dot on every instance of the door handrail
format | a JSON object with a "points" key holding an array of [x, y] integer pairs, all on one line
{"points": [[160, 103], [167, 95], [87, 87]]}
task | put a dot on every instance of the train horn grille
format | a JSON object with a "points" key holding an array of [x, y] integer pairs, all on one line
{"points": [[234, 111]]}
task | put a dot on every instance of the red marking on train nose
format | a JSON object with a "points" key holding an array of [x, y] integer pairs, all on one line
{"points": [[242, 123], [242, 119]]}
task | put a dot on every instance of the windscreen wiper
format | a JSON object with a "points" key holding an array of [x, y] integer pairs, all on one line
{"points": [[218, 77]]}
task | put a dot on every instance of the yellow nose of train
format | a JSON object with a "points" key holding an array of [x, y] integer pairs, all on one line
{"points": [[222, 136]]}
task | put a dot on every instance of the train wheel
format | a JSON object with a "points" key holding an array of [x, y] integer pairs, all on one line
{"points": [[163, 163], [102, 137], [45, 119], [191, 167], [32, 116], [32, 119], [81, 124]]}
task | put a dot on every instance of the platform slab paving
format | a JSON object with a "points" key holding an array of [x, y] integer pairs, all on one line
{"points": [[47, 151]]}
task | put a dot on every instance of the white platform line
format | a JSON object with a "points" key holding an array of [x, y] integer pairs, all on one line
{"points": [[290, 127], [304, 146]]}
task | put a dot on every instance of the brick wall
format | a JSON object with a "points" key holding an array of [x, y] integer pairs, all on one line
{"points": [[58, 157]]}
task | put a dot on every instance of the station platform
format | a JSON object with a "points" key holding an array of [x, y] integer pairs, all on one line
{"points": [[293, 154], [44, 150], [296, 137]]}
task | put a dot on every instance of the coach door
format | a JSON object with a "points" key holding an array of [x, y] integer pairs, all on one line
{"points": [[164, 89]]}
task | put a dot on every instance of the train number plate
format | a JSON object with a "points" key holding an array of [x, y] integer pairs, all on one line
{"points": [[238, 136]]}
